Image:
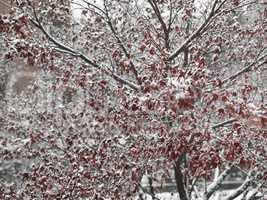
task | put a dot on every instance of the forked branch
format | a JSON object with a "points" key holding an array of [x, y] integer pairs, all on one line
{"points": [[77, 54], [199, 31], [215, 185], [240, 189], [122, 46], [166, 29]]}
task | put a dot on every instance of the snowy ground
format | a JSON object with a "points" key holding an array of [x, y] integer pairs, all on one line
{"points": [[174, 196]]}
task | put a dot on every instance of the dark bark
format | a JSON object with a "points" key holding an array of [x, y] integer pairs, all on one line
{"points": [[151, 188], [179, 180]]}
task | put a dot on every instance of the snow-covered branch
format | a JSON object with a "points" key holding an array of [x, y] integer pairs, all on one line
{"points": [[215, 185], [253, 194], [229, 121], [166, 29], [240, 189], [122, 46], [199, 31], [246, 69], [77, 54]]}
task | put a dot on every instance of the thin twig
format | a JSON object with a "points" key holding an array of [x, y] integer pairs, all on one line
{"points": [[198, 32], [120, 43], [229, 121], [245, 69], [77, 54]]}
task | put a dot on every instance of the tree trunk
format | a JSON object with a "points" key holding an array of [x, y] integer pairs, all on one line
{"points": [[179, 180]]}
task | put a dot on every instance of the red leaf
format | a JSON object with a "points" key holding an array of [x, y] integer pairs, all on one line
{"points": [[152, 51], [236, 126], [142, 48], [225, 98], [221, 111], [200, 63], [186, 103], [236, 2], [177, 29], [162, 83], [134, 107]]}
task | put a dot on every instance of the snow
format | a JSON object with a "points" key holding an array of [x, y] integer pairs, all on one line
{"points": [[77, 7], [218, 196], [162, 196]]}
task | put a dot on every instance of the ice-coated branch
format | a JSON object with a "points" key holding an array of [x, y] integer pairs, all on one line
{"points": [[122, 80], [94, 6], [170, 16], [99, 13], [236, 7], [61, 46], [216, 184], [253, 194], [193, 188], [144, 190]]}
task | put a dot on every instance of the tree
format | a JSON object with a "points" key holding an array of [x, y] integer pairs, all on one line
{"points": [[148, 86]]}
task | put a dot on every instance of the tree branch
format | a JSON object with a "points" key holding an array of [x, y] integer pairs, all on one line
{"points": [[77, 54], [170, 16], [94, 6], [229, 121], [253, 194], [213, 187], [127, 54], [244, 70], [166, 29], [148, 192], [100, 13], [199, 31], [240, 189]]}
